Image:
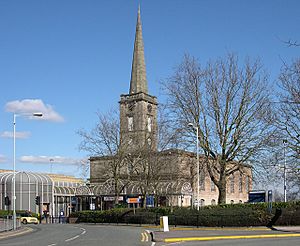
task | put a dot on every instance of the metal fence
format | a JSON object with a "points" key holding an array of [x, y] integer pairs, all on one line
{"points": [[6, 224]]}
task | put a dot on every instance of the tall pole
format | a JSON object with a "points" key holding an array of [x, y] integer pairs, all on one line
{"points": [[14, 169], [284, 169], [14, 178], [198, 172]]}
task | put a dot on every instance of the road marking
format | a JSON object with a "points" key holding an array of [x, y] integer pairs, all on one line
{"points": [[53, 244], [153, 244], [145, 237], [83, 231], [72, 238], [214, 228], [170, 240]]}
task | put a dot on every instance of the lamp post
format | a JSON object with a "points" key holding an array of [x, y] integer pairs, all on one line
{"points": [[284, 169], [197, 151], [14, 167]]}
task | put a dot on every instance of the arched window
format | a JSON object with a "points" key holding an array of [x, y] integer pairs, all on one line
{"points": [[213, 202], [232, 202], [202, 202]]}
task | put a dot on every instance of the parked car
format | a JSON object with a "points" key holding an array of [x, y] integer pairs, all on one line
{"points": [[28, 218]]}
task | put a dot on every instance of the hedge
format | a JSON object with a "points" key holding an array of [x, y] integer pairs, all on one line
{"points": [[222, 215]]}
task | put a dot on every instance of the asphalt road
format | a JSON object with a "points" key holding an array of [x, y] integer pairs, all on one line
{"points": [[89, 235]]}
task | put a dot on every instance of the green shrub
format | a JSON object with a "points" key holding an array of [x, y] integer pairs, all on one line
{"points": [[223, 215]]}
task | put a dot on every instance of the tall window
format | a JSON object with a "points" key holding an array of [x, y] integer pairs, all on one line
{"points": [[213, 202], [130, 123], [241, 183], [232, 183], [247, 184], [202, 181], [212, 186], [149, 124]]}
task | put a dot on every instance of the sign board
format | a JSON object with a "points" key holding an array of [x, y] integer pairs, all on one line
{"points": [[150, 201], [257, 196], [133, 200], [92, 206], [112, 198]]}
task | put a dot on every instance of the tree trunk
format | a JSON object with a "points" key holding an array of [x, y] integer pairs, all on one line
{"points": [[222, 190]]}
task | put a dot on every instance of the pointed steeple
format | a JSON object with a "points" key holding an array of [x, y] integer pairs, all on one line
{"points": [[138, 82]]}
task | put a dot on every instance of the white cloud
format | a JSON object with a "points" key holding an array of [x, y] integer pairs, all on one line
{"points": [[22, 135], [51, 159], [30, 106], [2, 158]]}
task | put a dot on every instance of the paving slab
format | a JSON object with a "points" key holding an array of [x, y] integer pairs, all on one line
{"points": [[206, 233]]}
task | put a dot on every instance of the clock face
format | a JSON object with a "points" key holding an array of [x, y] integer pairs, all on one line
{"points": [[149, 107]]}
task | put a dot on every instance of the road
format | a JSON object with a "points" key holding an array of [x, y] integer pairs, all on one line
{"points": [[90, 235], [110, 235]]}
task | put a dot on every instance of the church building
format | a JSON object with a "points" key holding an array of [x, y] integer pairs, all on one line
{"points": [[148, 176]]}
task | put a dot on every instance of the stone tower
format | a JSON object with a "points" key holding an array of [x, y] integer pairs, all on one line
{"points": [[138, 109]]}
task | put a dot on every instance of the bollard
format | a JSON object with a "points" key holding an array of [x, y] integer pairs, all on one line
{"points": [[164, 223]]}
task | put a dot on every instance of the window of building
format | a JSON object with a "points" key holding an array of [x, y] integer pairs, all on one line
{"points": [[130, 123], [149, 124], [212, 186], [129, 168], [240, 201], [130, 141], [231, 183], [202, 181], [247, 184], [232, 202], [241, 183], [213, 202], [202, 203]]}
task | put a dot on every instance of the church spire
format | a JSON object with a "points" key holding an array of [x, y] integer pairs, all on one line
{"points": [[138, 81]]}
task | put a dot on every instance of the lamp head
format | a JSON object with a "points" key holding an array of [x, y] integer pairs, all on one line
{"points": [[37, 114]]}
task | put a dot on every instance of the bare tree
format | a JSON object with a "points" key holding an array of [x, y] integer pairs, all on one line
{"points": [[288, 118], [229, 104], [104, 141]]}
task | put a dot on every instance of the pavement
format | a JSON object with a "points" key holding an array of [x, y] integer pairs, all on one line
{"points": [[18, 232], [179, 234]]}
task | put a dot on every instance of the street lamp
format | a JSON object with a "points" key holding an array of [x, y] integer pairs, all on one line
{"points": [[197, 151], [284, 169], [14, 167]]}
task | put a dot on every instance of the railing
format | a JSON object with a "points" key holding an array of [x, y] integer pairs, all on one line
{"points": [[6, 224]]}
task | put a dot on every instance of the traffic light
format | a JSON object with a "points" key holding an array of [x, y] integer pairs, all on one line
{"points": [[37, 200], [6, 201]]}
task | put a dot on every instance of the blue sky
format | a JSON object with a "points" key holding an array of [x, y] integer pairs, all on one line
{"points": [[72, 58]]}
